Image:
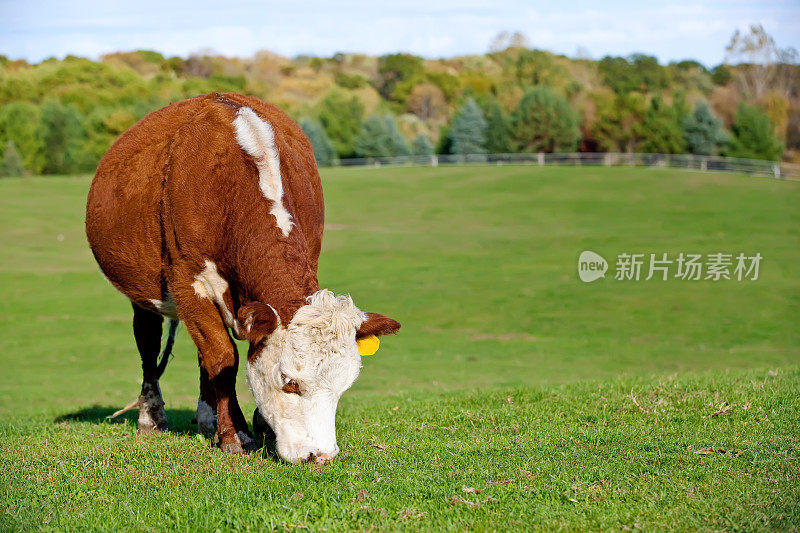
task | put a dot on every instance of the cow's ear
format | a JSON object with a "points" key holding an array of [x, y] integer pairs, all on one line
{"points": [[258, 321], [377, 324]]}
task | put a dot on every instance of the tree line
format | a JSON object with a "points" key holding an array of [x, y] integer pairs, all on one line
{"points": [[60, 116]]}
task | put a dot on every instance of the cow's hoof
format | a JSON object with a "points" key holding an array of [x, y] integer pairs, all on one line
{"points": [[151, 423], [150, 429], [242, 442], [231, 447]]}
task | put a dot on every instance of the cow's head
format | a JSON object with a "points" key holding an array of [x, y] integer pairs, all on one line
{"points": [[298, 372]]}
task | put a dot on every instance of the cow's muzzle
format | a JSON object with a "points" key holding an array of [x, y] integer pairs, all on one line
{"points": [[320, 458]]}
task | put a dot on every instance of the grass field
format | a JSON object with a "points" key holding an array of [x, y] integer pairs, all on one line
{"points": [[516, 396]]}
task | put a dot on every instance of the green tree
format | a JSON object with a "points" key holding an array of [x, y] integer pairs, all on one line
{"points": [[19, 122], [536, 67], [349, 81], [544, 122], [446, 84], [662, 129], [638, 72], [341, 117], [11, 164], [223, 83], [422, 145], [323, 149], [103, 125], [721, 74], [689, 76], [703, 132], [63, 136], [380, 137], [395, 69], [619, 122], [753, 135], [468, 129], [498, 130]]}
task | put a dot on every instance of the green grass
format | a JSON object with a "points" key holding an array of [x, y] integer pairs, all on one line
{"points": [[591, 398]]}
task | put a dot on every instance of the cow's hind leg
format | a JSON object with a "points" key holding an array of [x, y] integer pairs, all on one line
{"points": [[147, 330]]}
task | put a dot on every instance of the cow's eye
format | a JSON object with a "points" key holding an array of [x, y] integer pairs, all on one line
{"points": [[290, 386]]}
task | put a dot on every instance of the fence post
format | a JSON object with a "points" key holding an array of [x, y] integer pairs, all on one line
{"points": [[776, 170], [704, 164], [434, 160], [540, 158]]}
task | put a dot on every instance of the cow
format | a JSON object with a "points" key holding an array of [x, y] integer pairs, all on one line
{"points": [[210, 212]]}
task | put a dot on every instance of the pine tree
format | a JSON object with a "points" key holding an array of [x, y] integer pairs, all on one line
{"points": [[11, 164], [498, 130], [380, 137], [544, 122], [323, 149], [422, 145], [753, 135], [468, 129], [703, 131], [372, 142], [398, 144]]}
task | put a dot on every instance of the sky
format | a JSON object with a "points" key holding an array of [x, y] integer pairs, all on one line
{"points": [[37, 29]]}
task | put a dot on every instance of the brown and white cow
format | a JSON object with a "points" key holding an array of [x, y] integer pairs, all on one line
{"points": [[210, 212]]}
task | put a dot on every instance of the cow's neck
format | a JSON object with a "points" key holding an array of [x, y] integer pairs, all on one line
{"points": [[285, 293], [288, 306], [271, 268]]}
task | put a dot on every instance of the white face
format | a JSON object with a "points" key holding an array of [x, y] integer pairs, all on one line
{"points": [[301, 373]]}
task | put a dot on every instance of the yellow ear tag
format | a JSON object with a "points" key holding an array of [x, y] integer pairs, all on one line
{"points": [[368, 345]]}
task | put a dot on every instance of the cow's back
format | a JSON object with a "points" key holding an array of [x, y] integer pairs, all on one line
{"points": [[122, 212], [192, 142], [301, 181]]}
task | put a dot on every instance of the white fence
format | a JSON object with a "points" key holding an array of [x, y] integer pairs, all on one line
{"points": [[753, 167]]}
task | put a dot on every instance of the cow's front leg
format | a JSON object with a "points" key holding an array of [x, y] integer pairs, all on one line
{"points": [[232, 434], [219, 361]]}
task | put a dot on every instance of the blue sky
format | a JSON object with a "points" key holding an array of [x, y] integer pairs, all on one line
{"points": [[35, 30]]}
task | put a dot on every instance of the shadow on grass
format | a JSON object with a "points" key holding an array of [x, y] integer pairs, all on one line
{"points": [[179, 422]]}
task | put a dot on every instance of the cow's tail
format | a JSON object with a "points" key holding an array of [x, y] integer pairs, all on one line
{"points": [[167, 351]]}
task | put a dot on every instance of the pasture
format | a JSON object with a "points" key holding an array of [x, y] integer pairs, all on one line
{"points": [[515, 396]]}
